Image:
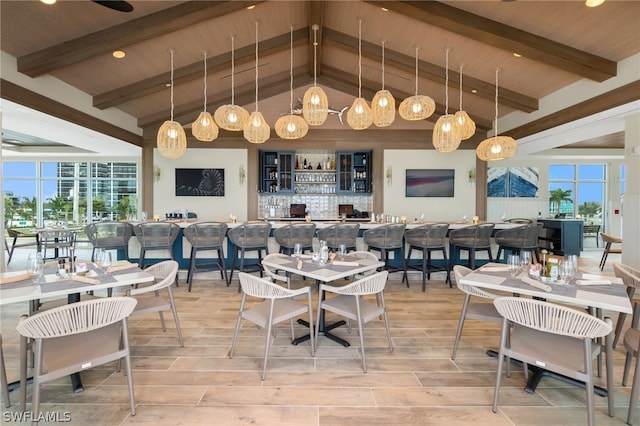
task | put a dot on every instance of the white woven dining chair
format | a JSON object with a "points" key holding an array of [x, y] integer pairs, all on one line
{"points": [[278, 305], [73, 338], [556, 338]]}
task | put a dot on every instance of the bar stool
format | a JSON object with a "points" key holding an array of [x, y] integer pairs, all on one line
{"points": [[109, 236], [340, 233], [386, 238], [428, 238], [206, 236], [472, 239], [517, 239], [248, 237], [156, 236], [298, 233]]}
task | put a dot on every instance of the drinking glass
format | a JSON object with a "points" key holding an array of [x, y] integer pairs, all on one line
{"points": [[297, 250], [104, 262], [525, 258], [573, 259], [143, 216], [513, 264], [35, 267], [342, 251], [566, 270]]}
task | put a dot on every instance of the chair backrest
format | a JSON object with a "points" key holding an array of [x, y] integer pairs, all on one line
{"points": [[59, 237], [370, 284], [271, 272], [473, 236], [459, 272], [302, 233], [206, 234], [262, 288], [519, 220], [427, 236], [551, 318], [610, 238], [156, 234], [629, 275], [385, 236], [77, 317], [107, 234], [340, 233], [164, 273], [250, 235]]}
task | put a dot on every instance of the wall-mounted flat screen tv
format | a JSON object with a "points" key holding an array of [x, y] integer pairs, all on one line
{"points": [[430, 183]]}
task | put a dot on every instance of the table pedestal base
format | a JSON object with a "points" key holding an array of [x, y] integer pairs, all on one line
{"points": [[324, 331]]}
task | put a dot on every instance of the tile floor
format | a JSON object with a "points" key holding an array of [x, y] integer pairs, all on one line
{"points": [[417, 384]]}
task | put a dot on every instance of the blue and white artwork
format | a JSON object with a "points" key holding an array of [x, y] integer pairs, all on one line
{"points": [[513, 182]]}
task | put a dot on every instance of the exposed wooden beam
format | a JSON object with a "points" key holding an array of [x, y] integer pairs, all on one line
{"points": [[505, 37], [620, 96], [316, 16], [193, 71], [125, 34], [344, 82], [20, 95], [244, 95], [434, 72]]}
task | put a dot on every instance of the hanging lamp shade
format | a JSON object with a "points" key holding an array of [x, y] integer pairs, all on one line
{"points": [[417, 107], [315, 104], [359, 116], [171, 138], [291, 126], [383, 105], [204, 128], [466, 124], [231, 117], [256, 129], [497, 147], [446, 133]]}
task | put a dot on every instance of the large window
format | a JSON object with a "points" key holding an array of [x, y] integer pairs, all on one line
{"points": [[39, 193], [578, 190]]}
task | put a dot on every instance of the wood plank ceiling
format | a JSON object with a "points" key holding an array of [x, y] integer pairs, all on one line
{"points": [[559, 43]]}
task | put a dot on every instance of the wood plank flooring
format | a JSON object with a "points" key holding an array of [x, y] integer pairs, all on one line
{"points": [[417, 384]]}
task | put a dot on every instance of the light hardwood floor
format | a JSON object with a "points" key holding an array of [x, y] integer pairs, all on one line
{"points": [[417, 384]]}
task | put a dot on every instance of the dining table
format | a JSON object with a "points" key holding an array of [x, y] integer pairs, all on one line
{"points": [[20, 286], [590, 291], [331, 271]]}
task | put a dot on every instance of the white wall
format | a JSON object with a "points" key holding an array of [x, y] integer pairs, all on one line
{"points": [[631, 228], [207, 208], [434, 209]]}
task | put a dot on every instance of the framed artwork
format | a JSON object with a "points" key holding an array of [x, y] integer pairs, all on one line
{"points": [[430, 183], [513, 182], [200, 182]]}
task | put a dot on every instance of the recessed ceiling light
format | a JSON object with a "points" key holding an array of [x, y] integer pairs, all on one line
{"points": [[119, 54], [48, 1], [251, 7], [517, 55], [384, 9], [474, 90], [593, 3]]}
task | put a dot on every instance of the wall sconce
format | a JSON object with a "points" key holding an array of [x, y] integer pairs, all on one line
{"points": [[472, 176], [389, 175], [241, 174], [156, 174]]}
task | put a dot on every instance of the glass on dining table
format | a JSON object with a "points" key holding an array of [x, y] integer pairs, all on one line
{"points": [[103, 260], [525, 259], [513, 264], [35, 267], [565, 269], [342, 251], [297, 250]]}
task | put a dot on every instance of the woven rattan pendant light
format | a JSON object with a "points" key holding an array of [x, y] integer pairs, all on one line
{"points": [[497, 147], [383, 106], [291, 126], [231, 117], [446, 132], [417, 107], [315, 105], [359, 116], [172, 141], [466, 124], [256, 129], [204, 128]]}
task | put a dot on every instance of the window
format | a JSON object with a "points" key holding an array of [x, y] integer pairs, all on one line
{"points": [[578, 190], [37, 193]]}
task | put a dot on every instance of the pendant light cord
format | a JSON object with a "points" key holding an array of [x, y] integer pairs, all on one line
{"points": [[205, 81], [315, 47], [172, 52], [291, 69], [446, 84], [495, 124], [233, 70], [360, 58], [256, 66], [461, 87], [382, 64], [417, 48]]}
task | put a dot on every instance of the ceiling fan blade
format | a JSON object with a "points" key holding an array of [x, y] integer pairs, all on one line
{"points": [[119, 5]]}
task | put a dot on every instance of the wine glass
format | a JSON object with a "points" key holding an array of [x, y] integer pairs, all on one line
{"points": [[342, 251], [35, 267], [566, 270], [104, 261], [513, 264], [525, 258], [297, 251], [143, 216]]}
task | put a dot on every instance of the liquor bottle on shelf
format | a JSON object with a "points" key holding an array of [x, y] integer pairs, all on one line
{"points": [[297, 165], [305, 163]]}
